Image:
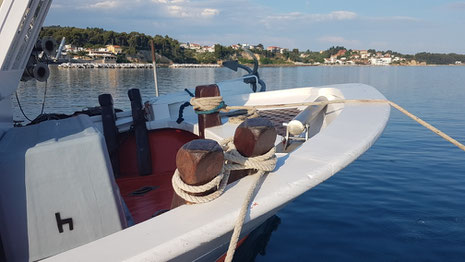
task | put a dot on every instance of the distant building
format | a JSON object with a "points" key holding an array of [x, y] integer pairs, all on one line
{"points": [[105, 57], [458, 62], [115, 49], [99, 53], [332, 60], [198, 48], [70, 48], [192, 46], [247, 46], [209, 49], [273, 49], [282, 50], [235, 47], [381, 60], [364, 54]]}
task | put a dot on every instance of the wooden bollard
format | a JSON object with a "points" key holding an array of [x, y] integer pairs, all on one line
{"points": [[253, 137], [207, 120], [198, 162]]}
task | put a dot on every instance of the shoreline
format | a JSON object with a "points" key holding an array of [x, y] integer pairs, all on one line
{"points": [[180, 66]]}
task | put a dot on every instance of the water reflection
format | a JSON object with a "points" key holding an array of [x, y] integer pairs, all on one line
{"points": [[70, 90], [257, 240]]}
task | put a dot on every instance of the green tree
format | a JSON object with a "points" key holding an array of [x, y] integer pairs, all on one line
{"points": [[222, 52]]}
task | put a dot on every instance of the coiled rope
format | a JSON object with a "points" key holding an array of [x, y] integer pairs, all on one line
{"points": [[233, 161], [187, 192], [354, 101], [207, 105]]}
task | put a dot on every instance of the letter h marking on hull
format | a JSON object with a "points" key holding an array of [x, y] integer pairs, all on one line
{"points": [[61, 222]]}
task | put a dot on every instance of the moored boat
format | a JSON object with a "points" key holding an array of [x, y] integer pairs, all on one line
{"points": [[99, 188]]}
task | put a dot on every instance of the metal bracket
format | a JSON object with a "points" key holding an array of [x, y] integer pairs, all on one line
{"points": [[289, 138]]}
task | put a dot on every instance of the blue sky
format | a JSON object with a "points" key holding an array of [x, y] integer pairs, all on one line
{"points": [[406, 26]]}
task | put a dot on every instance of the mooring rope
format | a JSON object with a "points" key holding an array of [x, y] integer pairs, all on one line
{"points": [[43, 103], [207, 105], [233, 161], [267, 162], [356, 101], [187, 192], [251, 113]]}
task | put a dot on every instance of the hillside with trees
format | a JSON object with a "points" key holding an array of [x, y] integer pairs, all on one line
{"points": [[130, 42], [135, 43]]}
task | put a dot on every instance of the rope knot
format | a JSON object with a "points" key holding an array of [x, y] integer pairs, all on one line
{"points": [[207, 105], [236, 161]]}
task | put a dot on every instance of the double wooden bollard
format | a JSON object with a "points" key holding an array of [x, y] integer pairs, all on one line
{"points": [[201, 160]]}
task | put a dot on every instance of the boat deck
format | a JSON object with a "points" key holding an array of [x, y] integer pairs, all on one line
{"points": [[150, 195]]}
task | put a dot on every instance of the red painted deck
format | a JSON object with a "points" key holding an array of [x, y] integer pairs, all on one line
{"points": [[158, 193], [164, 144]]}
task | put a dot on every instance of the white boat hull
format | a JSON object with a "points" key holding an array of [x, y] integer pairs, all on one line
{"points": [[201, 232]]}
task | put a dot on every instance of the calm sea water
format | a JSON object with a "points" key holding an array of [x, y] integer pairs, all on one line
{"points": [[403, 200]]}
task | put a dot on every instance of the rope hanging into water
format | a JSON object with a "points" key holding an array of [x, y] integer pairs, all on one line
{"points": [[42, 107], [351, 101], [235, 161], [21, 107], [45, 96]]}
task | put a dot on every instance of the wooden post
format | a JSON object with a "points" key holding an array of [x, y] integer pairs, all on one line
{"points": [[110, 131], [144, 159], [253, 137], [198, 162], [209, 120]]}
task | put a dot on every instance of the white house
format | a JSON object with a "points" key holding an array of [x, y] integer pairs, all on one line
{"points": [[380, 60]]}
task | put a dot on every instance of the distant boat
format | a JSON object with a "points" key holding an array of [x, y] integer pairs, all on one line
{"points": [[99, 188]]}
